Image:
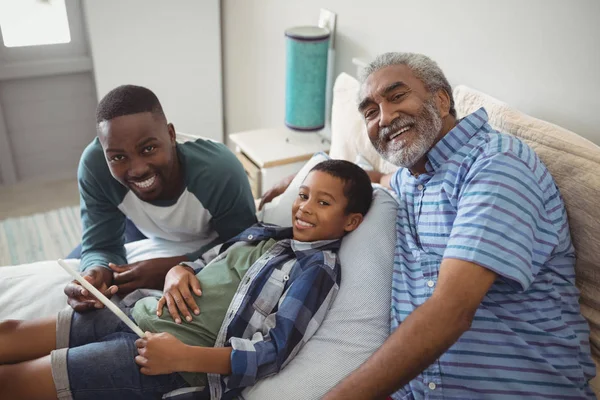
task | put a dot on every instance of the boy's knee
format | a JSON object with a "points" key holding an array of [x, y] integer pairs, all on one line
{"points": [[9, 325]]}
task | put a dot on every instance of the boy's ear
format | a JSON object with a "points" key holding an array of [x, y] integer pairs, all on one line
{"points": [[353, 221]]}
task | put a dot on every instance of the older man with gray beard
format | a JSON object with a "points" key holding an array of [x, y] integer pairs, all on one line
{"points": [[484, 303]]}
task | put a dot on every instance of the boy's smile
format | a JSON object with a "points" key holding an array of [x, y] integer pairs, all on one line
{"points": [[301, 224]]}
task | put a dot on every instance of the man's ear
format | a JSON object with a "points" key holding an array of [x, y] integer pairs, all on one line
{"points": [[353, 221], [442, 101], [172, 133]]}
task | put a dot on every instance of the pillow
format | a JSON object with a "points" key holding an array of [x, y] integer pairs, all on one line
{"points": [[359, 320], [349, 138], [574, 163]]}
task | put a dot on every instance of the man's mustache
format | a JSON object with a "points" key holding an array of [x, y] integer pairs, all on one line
{"points": [[395, 126]]}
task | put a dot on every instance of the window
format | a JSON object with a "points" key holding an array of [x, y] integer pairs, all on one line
{"points": [[34, 22]]}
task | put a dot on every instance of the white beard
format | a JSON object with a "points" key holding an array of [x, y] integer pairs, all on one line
{"points": [[427, 126]]}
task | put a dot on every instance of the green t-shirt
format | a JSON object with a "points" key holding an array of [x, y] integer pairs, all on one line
{"points": [[216, 193], [219, 282]]}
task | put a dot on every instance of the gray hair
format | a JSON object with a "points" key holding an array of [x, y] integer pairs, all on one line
{"points": [[424, 68]]}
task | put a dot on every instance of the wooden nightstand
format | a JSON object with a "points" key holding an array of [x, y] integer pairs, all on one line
{"points": [[269, 155]]}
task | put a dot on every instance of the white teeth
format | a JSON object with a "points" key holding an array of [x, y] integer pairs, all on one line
{"points": [[401, 131], [302, 223], [145, 184]]}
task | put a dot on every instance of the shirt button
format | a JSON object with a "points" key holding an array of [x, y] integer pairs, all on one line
{"points": [[430, 284], [431, 384], [250, 237], [420, 187], [286, 278]]}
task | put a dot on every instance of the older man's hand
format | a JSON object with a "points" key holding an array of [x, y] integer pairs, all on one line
{"points": [[276, 190]]}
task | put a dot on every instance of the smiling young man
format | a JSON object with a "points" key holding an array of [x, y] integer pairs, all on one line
{"points": [[195, 193], [484, 302]]}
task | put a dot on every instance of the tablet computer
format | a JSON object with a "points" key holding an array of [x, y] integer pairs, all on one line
{"points": [[103, 299]]}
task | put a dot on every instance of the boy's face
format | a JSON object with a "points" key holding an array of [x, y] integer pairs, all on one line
{"points": [[319, 212], [140, 152]]}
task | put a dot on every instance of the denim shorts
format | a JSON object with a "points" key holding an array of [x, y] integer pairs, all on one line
{"points": [[95, 360]]}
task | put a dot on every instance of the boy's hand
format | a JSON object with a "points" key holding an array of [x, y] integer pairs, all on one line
{"points": [[148, 274], [80, 299], [160, 353], [177, 295]]}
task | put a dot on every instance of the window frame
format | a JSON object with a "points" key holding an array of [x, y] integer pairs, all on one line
{"points": [[77, 47]]}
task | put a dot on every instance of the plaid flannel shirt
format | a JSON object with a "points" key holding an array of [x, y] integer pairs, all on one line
{"points": [[279, 305]]}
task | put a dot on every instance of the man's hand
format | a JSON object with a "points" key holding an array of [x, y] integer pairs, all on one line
{"points": [[423, 336], [177, 294], [79, 297], [276, 191], [160, 353], [149, 274]]}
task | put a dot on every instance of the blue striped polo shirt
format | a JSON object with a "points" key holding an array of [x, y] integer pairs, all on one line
{"points": [[488, 199]]}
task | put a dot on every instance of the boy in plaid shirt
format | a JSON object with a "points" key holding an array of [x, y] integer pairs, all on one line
{"points": [[239, 319]]}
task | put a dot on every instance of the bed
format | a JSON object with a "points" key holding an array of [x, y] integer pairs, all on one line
{"points": [[348, 337]]}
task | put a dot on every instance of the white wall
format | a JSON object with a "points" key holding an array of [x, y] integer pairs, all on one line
{"points": [[173, 48], [50, 120], [541, 56]]}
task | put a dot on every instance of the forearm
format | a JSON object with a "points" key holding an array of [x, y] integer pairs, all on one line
{"points": [[171, 261], [103, 241], [100, 258], [210, 360], [420, 340], [165, 264]]}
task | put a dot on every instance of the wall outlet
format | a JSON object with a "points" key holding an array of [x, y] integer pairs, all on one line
{"points": [[327, 20]]}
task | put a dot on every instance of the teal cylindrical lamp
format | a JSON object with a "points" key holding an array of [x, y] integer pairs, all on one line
{"points": [[306, 77]]}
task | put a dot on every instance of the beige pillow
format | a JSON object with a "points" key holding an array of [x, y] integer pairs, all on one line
{"points": [[574, 162], [348, 132]]}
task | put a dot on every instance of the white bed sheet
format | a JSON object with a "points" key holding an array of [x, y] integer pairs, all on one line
{"points": [[35, 290]]}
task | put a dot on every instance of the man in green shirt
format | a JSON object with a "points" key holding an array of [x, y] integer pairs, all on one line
{"points": [[195, 193]]}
